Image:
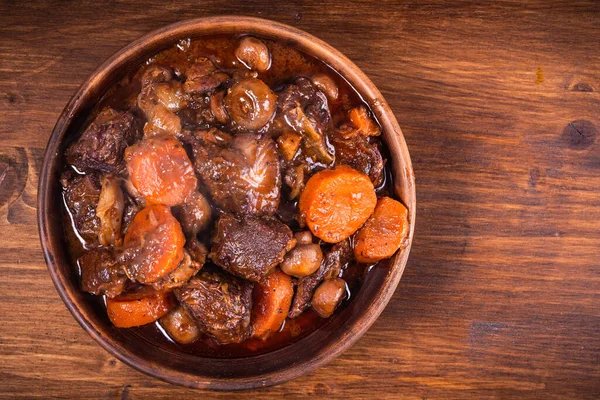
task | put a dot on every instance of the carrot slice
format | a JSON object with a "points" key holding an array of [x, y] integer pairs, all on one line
{"points": [[161, 170], [158, 240], [336, 202], [137, 308], [360, 118], [272, 301], [383, 233]]}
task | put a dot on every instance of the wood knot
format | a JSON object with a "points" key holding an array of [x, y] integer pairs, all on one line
{"points": [[580, 134], [322, 389], [582, 87], [13, 174], [534, 175]]}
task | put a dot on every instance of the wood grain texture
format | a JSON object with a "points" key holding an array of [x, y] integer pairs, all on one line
{"points": [[500, 105]]}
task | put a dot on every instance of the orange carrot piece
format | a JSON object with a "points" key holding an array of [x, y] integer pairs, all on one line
{"points": [[383, 233], [137, 308], [161, 238], [337, 202], [360, 118], [161, 170], [272, 301]]}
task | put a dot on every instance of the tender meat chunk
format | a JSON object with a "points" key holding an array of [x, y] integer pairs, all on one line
{"points": [[250, 247], [242, 177], [132, 207], [305, 110], [101, 274], [220, 304], [82, 193], [194, 214], [356, 151], [294, 179], [101, 146], [194, 257], [334, 260], [203, 77]]}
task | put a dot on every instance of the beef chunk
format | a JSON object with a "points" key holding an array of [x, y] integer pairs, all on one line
{"points": [[195, 214], [334, 260], [101, 274], [203, 77], [82, 193], [101, 146], [357, 152], [220, 304], [194, 257], [305, 110], [242, 175], [250, 247]]}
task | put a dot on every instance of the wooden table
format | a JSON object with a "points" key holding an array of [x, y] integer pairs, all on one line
{"points": [[500, 106]]}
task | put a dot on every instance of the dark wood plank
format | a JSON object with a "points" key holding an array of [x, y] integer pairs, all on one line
{"points": [[500, 106]]}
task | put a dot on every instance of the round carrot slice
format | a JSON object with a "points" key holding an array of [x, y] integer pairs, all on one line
{"points": [[272, 301], [137, 308], [161, 170], [383, 233], [336, 202], [155, 240]]}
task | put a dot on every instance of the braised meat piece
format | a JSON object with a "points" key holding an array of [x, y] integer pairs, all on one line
{"points": [[305, 110], [101, 274], [100, 148], [220, 304], [334, 260], [194, 214], [132, 207], [194, 257], [242, 175], [250, 247], [357, 152], [203, 77], [82, 193]]}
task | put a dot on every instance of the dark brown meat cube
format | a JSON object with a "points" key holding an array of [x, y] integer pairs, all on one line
{"points": [[357, 152], [194, 257], [101, 146], [101, 274], [304, 108], [82, 193], [242, 176], [203, 77], [250, 247], [220, 304], [339, 255], [197, 250]]}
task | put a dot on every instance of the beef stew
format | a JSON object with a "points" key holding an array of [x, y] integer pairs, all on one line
{"points": [[213, 144]]}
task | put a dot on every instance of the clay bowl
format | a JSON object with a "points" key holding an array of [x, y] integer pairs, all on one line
{"points": [[275, 367]]}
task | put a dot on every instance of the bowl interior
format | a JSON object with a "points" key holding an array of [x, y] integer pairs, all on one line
{"points": [[271, 368]]}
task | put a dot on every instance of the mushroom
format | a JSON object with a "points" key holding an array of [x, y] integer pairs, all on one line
{"points": [[251, 104], [254, 54]]}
